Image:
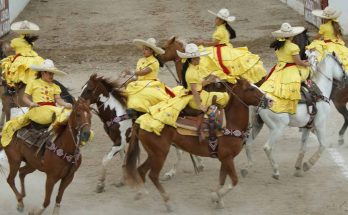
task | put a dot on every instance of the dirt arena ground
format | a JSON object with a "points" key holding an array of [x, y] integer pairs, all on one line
{"points": [[87, 36]]}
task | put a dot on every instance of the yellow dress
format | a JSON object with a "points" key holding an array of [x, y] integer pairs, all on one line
{"points": [[146, 91], [330, 43], [167, 112], [238, 61], [15, 68], [284, 83], [42, 93]]}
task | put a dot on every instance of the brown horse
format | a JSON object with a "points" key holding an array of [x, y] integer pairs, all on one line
{"points": [[111, 107], [60, 160], [241, 94]]}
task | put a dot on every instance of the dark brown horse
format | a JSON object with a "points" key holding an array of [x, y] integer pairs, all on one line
{"points": [[111, 107], [60, 160], [241, 94]]}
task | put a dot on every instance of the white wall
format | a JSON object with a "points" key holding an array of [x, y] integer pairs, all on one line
{"points": [[297, 5], [16, 7], [341, 5]]}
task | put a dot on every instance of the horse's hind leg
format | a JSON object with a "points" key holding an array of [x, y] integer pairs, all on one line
{"points": [[23, 171], [144, 168], [64, 183], [342, 110], [321, 136], [303, 149], [14, 166]]}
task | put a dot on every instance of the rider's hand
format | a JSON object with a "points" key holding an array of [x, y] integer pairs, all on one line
{"points": [[68, 105], [33, 104], [203, 108], [199, 42]]}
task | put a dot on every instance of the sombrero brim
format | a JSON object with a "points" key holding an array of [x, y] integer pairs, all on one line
{"points": [[140, 43], [33, 28], [320, 13], [43, 69], [228, 19], [192, 55], [294, 31]]}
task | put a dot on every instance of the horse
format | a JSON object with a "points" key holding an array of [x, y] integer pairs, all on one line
{"points": [[339, 98], [111, 103], [60, 160], [15, 99], [242, 94], [324, 74]]}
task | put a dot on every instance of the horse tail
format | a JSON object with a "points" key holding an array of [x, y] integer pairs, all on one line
{"points": [[66, 96], [131, 174]]}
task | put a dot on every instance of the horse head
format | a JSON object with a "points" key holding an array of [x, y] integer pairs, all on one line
{"points": [[80, 119], [94, 88]]}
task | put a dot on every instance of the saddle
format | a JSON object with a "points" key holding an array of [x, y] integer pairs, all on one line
{"points": [[35, 135]]}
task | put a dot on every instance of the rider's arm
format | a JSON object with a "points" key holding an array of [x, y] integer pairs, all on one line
{"points": [[27, 101], [298, 61], [197, 97], [143, 72], [207, 43], [61, 102], [317, 37]]}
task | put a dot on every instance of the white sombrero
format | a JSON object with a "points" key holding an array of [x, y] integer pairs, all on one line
{"points": [[191, 51], [25, 27], [151, 43], [327, 13], [47, 66], [287, 31], [224, 14]]}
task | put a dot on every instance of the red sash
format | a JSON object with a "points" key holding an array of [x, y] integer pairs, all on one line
{"points": [[169, 92], [46, 103], [218, 52], [273, 68]]}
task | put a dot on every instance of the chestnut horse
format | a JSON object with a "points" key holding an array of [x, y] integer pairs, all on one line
{"points": [[60, 160], [157, 147], [111, 106]]}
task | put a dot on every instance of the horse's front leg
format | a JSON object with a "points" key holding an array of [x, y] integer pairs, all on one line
{"points": [[63, 185], [303, 149], [50, 182], [321, 136]]}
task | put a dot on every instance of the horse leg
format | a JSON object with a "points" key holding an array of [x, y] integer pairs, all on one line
{"points": [[303, 149], [50, 182], [2, 119], [273, 136], [64, 183], [144, 168], [14, 167], [342, 110], [199, 162], [171, 173], [23, 171], [320, 132]]}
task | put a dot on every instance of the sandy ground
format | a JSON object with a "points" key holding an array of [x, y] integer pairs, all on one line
{"points": [[86, 37]]}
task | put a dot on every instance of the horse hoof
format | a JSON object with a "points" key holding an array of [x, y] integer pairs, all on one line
{"points": [[200, 168], [298, 173], [167, 177], [140, 195], [169, 207], [275, 176], [340, 141], [306, 166], [244, 172], [220, 204], [20, 207], [100, 188], [119, 184], [214, 197]]}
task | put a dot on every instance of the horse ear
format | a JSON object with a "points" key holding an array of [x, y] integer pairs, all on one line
{"points": [[172, 39]]}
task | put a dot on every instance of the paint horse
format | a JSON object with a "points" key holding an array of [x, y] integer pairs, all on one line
{"points": [[60, 160], [157, 147]]}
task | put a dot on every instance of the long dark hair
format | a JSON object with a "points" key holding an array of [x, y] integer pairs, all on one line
{"points": [[337, 29], [183, 71], [30, 39], [230, 30], [277, 44]]}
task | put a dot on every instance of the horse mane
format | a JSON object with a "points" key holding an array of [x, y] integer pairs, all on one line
{"points": [[114, 87]]}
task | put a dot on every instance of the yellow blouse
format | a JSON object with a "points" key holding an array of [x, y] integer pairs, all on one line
{"points": [[195, 75], [222, 35], [285, 53], [328, 32], [42, 91], [22, 47], [150, 62]]}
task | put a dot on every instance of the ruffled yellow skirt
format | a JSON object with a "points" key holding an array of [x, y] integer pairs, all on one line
{"points": [[167, 112], [239, 61], [340, 50], [284, 87], [41, 115], [143, 94], [19, 71]]}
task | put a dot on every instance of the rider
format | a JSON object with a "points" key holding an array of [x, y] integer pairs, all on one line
{"points": [[41, 95], [329, 37], [284, 81], [15, 68], [146, 90], [232, 61]]}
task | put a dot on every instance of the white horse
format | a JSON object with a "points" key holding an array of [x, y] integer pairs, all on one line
{"points": [[324, 73]]}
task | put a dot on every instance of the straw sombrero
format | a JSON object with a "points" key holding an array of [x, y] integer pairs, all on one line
{"points": [[151, 43], [25, 27], [287, 31], [224, 14], [47, 66], [327, 13], [191, 51]]}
